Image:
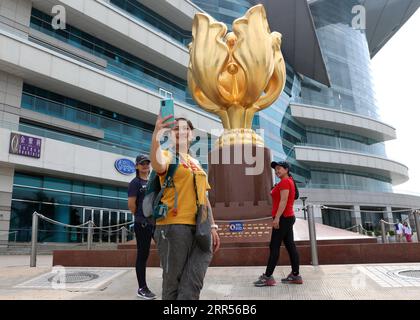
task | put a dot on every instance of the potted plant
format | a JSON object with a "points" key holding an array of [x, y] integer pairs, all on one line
{"points": [[391, 236]]}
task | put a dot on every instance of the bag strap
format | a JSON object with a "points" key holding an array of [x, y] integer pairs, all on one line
{"points": [[197, 202], [171, 171], [168, 179], [195, 189]]}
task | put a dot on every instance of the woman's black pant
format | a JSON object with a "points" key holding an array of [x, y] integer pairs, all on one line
{"points": [[283, 234], [144, 234]]}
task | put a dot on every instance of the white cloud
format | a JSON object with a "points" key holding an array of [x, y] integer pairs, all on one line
{"points": [[396, 71]]}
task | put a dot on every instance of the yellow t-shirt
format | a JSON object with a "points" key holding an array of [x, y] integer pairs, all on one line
{"points": [[184, 184]]}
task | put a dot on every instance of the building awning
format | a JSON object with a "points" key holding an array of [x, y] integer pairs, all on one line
{"points": [[300, 46], [384, 18]]}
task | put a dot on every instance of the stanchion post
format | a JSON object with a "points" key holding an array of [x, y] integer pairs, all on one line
{"points": [[383, 231], [90, 235], [417, 220], [312, 235], [34, 239], [304, 206], [124, 235]]}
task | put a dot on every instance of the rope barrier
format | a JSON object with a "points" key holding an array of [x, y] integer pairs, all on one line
{"points": [[80, 226], [374, 211], [247, 220], [103, 228], [7, 232], [356, 226], [118, 230], [394, 223]]}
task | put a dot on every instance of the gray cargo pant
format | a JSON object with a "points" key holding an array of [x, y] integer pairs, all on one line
{"points": [[184, 264]]}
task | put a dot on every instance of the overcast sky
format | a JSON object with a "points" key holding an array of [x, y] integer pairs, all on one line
{"points": [[396, 71]]}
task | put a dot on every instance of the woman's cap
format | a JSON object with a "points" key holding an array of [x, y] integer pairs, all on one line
{"points": [[283, 164], [141, 158]]}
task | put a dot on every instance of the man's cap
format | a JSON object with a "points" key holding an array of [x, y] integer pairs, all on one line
{"points": [[283, 164], [140, 158]]}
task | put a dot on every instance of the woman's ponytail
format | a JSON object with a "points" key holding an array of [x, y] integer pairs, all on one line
{"points": [[296, 188]]}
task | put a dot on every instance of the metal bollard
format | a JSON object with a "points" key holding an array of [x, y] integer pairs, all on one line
{"points": [[384, 238], [124, 235], [417, 220], [304, 206], [34, 239], [90, 235], [312, 235]]}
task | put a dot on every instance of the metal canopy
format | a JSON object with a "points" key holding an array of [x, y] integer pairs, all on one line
{"points": [[384, 18], [300, 46]]}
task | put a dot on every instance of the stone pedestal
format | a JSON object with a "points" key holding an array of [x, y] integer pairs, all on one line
{"points": [[241, 180]]}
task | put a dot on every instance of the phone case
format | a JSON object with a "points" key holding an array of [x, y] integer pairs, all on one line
{"points": [[166, 109]]}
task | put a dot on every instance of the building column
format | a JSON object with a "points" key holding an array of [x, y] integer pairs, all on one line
{"points": [[318, 213], [356, 216], [6, 189], [387, 216], [10, 100], [15, 17]]}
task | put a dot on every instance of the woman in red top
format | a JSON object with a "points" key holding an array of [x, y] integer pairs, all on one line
{"points": [[283, 194]]}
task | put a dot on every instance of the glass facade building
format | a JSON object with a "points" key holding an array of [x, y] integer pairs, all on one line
{"points": [[347, 58], [348, 63], [119, 62], [346, 54], [154, 20], [68, 201], [122, 134], [74, 199]]}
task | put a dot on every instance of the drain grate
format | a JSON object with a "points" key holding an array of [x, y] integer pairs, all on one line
{"points": [[394, 276], [73, 277], [410, 274]]}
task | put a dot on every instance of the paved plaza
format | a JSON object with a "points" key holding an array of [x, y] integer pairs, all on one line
{"points": [[327, 282]]}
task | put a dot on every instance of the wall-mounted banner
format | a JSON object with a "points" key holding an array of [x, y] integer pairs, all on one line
{"points": [[25, 145], [125, 166], [236, 226]]}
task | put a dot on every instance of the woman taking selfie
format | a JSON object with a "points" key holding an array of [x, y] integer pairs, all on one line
{"points": [[184, 262]]}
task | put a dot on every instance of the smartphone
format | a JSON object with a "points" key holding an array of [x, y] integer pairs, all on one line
{"points": [[166, 109]]}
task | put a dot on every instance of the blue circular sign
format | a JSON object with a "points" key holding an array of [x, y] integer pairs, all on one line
{"points": [[237, 226], [125, 166]]}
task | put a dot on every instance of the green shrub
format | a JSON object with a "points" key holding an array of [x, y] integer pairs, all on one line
{"points": [[391, 233]]}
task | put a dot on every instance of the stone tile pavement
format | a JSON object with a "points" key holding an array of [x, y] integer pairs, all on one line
{"points": [[326, 282]]}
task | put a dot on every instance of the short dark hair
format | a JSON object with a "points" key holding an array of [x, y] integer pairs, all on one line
{"points": [[190, 125]]}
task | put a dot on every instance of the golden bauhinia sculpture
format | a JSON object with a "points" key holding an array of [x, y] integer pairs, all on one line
{"points": [[236, 74]]}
